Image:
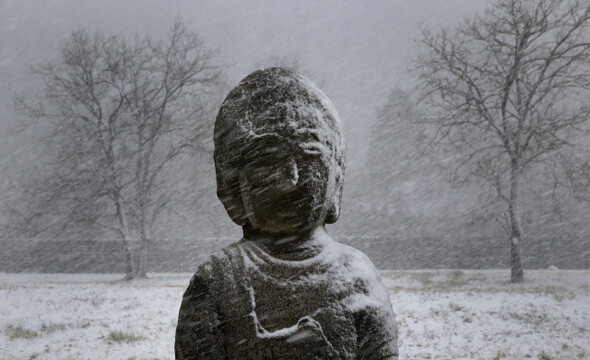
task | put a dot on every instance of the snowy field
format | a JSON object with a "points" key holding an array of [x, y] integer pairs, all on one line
{"points": [[441, 315]]}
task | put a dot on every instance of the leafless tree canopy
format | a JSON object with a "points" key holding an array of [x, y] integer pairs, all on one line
{"points": [[507, 90], [120, 113]]}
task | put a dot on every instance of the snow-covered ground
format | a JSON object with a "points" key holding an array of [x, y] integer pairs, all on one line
{"points": [[441, 314]]}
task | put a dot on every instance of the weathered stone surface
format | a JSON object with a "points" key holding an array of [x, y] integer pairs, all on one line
{"points": [[287, 290]]}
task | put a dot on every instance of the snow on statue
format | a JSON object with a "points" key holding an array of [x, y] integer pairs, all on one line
{"points": [[287, 290]]}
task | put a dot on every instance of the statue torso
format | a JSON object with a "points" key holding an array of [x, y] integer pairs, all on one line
{"points": [[259, 307]]}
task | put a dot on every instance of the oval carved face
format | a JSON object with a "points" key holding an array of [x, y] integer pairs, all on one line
{"points": [[279, 154], [284, 184]]}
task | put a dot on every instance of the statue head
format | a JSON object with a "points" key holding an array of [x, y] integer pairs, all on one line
{"points": [[279, 154]]}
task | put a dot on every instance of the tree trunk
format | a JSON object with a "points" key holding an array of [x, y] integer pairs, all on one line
{"points": [[141, 193], [143, 247], [516, 264], [129, 263]]}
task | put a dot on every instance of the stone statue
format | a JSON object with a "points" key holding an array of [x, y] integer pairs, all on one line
{"points": [[287, 290]]}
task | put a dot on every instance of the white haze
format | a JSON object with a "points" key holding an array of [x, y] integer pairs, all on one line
{"points": [[356, 50]]}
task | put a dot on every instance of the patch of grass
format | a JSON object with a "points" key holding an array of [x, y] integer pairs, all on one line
{"points": [[19, 332], [455, 275], [393, 274], [173, 285], [457, 278], [451, 283], [440, 279], [558, 293], [52, 327], [424, 278], [500, 355], [455, 307], [121, 336], [544, 356]]}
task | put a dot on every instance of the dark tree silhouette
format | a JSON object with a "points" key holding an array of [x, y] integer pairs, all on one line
{"points": [[506, 90], [120, 114]]}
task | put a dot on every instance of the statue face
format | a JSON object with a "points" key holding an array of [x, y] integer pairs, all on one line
{"points": [[284, 184], [279, 154]]}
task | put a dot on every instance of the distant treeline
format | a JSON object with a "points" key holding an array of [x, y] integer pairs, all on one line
{"points": [[94, 256]]}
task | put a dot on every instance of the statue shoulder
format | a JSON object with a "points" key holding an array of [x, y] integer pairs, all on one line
{"points": [[219, 266], [356, 261], [363, 274]]}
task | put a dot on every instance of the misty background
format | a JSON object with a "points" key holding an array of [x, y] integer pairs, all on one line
{"points": [[398, 204]]}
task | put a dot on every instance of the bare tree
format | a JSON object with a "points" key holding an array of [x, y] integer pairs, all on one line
{"points": [[120, 113], [394, 162], [575, 173], [507, 90], [567, 177]]}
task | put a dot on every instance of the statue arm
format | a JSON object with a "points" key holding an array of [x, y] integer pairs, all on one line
{"points": [[198, 331], [377, 333]]}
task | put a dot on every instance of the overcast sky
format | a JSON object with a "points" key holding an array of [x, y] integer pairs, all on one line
{"points": [[356, 50]]}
